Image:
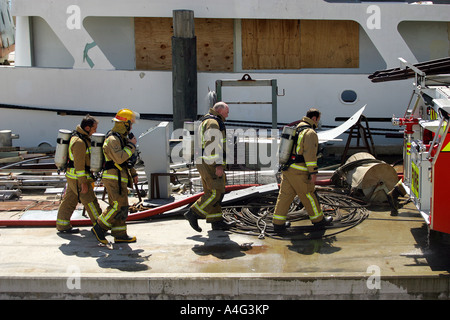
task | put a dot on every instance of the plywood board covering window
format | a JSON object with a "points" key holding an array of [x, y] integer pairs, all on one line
{"points": [[153, 40], [270, 44], [296, 44], [329, 44]]}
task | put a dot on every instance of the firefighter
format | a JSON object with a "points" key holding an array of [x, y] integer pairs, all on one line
{"points": [[79, 181], [299, 176], [119, 148], [211, 167]]}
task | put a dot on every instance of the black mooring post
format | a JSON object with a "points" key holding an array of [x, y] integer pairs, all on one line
{"points": [[184, 68]]}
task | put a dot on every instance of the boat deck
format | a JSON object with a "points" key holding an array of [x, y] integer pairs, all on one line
{"points": [[383, 257]]}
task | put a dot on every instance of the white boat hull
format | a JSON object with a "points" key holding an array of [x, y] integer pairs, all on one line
{"points": [[150, 92]]}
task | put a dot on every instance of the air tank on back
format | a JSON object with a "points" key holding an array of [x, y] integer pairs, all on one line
{"points": [[62, 146], [97, 140], [286, 143]]}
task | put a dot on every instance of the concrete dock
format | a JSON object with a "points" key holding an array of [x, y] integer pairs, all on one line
{"points": [[384, 257]]}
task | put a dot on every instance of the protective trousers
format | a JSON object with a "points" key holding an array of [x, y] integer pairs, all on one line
{"points": [[295, 182], [115, 216], [70, 201], [208, 206]]}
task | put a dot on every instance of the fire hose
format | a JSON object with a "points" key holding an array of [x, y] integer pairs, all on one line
{"points": [[255, 216], [141, 215]]}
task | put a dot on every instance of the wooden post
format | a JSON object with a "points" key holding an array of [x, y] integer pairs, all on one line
{"points": [[184, 68]]}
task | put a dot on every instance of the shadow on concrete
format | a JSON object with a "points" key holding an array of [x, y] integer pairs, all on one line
{"points": [[114, 256], [219, 245], [315, 245], [307, 240], [433, 249]]}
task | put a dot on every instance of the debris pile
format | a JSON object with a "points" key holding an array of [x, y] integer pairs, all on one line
{"points": [[25, 169]]}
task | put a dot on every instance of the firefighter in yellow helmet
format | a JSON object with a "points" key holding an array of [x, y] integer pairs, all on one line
{"points": [[79, 180], [119, 148], [299, 176]]}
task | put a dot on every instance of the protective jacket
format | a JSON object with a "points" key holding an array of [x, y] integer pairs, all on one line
{"points": [[212, 135], [306, 147], [117, 150], [79, 156]]}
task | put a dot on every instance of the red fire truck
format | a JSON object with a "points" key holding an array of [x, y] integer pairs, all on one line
{"points": [[426, 151]]}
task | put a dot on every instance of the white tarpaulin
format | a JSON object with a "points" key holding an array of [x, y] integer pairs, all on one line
{"points": [[332, 134]]}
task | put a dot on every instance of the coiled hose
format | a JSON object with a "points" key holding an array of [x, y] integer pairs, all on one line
{"points": [[255, 216]]}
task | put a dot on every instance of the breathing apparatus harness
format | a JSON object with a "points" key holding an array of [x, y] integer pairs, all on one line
{"points": [[294, 158], [70, 163], [129, 163], [218, 119], [221, 128]]}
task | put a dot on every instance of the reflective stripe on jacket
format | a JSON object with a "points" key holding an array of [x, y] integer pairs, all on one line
{"points": [[307, 146], [80, 154], [213, 140], [119, 152]]}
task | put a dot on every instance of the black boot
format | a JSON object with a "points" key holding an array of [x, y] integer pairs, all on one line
{"points": [[281, 228], [222, 225], [193, 220], [125, 239], [99, 233], [70, 231], [326, 221]]}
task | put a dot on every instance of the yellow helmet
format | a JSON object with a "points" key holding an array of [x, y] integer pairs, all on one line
{"points": [[126, 115]]}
